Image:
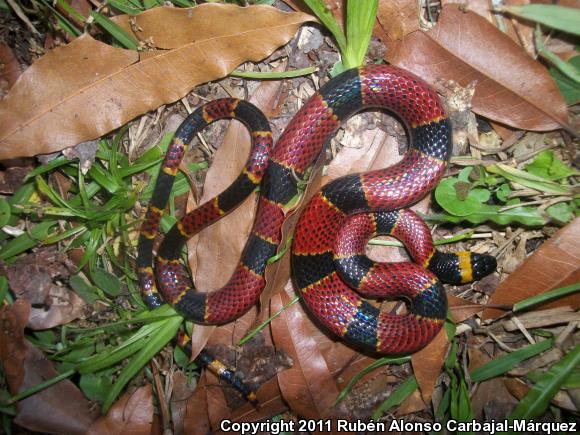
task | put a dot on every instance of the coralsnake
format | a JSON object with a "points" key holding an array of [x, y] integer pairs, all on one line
{"points": [[329, 266]]}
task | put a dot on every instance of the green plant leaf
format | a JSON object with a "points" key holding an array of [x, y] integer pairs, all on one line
{"points": [[535, 403], [95, 387], [5, 212], [529, 216], [526, 179], [569, 88], [546, 296], [107, 282], [87, 292], [115, 31], [360, 20], [325, 16], [396, 397], [547, 165], [456, 197], [556, 17], [562, 211], [505, 363]]}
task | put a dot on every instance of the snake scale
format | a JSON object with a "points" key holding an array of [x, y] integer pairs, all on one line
{"points": [[329, 265]]}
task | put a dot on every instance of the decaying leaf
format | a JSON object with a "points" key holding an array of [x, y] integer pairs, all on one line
{"points": [[86, 89], [61, 408], [427, 364], [555, 264], [513, 88], [308, 386], [12, 343], [132, 413], [398, 19], [32, 277]]}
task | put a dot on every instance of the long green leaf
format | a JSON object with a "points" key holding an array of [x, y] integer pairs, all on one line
{"points": [[378, 363], [397, 397], [148, 351], [326, 17], [115, 31], [547, 296], [360, 20], [526, 179], [535, 403], [506, 362], [557, 17]]}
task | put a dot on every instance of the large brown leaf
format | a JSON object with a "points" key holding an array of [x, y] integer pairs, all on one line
{"points": [[131, 414], [308, 386], [555, 264], [61, 408], [512, 88], [86, 89]]}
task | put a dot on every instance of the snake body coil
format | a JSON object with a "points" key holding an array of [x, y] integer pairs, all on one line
{"points": [[328, 258]]}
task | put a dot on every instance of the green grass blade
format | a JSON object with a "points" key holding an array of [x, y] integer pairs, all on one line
{"points": [[274, 74], [505, 363], [556, 17], [535, 403], [547, 296], [325, 16], [148, 351], [526, 179], [376, 364], [397, 397], [360, 20], [115, 31]]}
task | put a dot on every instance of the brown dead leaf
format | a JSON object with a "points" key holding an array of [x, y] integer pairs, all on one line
{"points": [[86, 89], [32, 278], [398, 19], [12, 343], [10, 69], [196, 421], [61, 408], [308, 387], [555, 264], [131, 414], [462, 309], [183, 390], [513, 88], [427, 364]]}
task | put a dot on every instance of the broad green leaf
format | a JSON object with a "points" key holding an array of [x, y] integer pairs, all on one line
{"points": [[360, 20], [547, 165], [535, 403], [505, 363], [82, 288], [556, 17], [447, 197], [95, 387], [569, 89], [562, 211], [107, 282]]}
